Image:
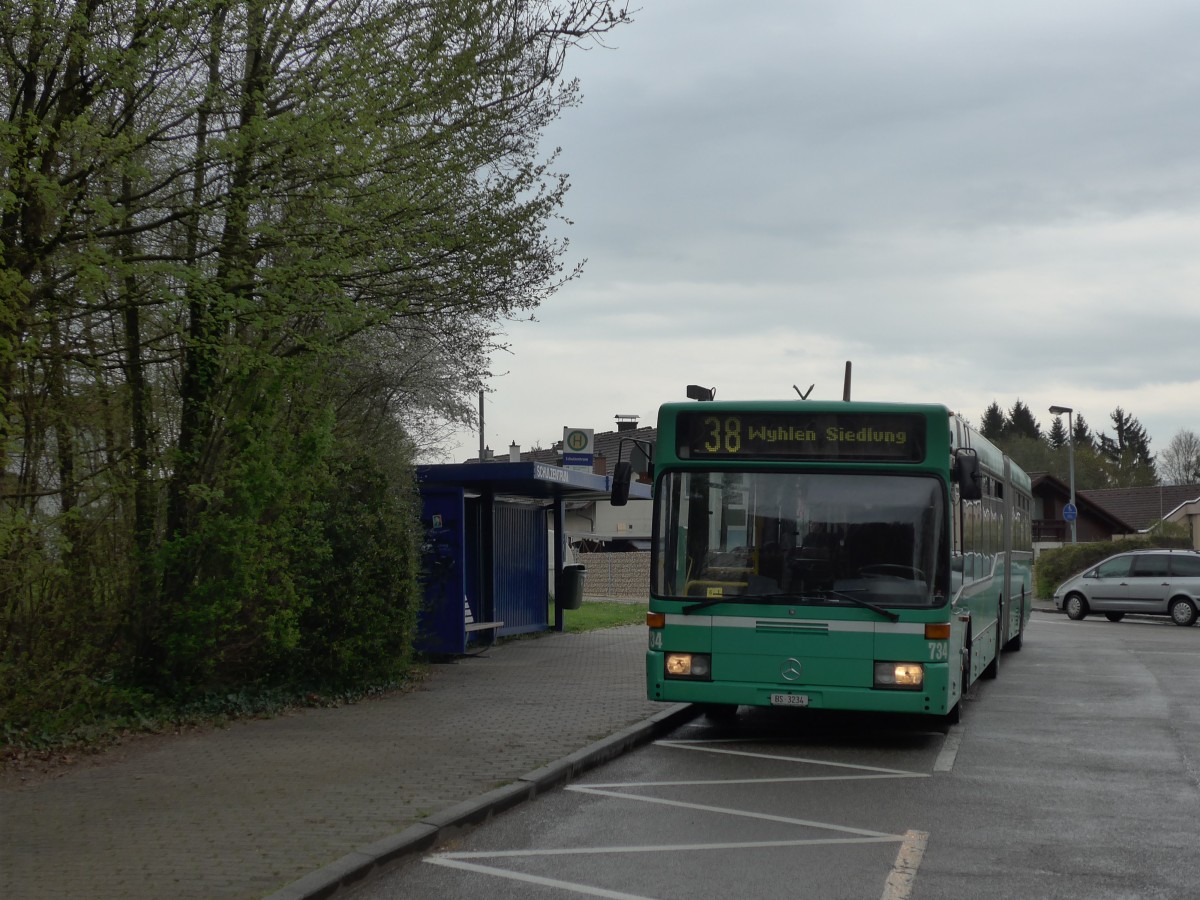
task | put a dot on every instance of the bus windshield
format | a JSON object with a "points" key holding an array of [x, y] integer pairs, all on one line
{"points": [[801, 537]]}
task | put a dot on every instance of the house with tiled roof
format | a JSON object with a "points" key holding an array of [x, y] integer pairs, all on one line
{"points": [[1142, 507], [1110, 513], [1095, 522]]}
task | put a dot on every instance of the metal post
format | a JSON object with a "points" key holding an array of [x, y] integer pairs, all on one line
{"points": [[481, 431], [1058, 411], [1071, 468]]}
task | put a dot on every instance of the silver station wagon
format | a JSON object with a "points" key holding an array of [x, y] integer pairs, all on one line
{"points": [[1150, 582]]}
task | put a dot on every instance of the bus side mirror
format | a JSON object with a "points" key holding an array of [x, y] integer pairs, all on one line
{"points": [[970, 484], [622, 476]]}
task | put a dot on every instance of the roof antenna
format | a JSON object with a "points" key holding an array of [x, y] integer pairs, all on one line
{"points": [[804, 396]]}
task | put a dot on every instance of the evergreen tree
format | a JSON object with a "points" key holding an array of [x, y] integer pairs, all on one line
{"points": [[1057, 436], [1081, 434], [1021, 422], [1128, 452], [992, 426]]}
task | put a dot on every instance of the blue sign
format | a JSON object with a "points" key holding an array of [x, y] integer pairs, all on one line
{"points": [[1070, 513]]}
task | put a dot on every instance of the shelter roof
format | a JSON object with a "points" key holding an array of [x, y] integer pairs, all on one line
{"points": [[534, 480]]}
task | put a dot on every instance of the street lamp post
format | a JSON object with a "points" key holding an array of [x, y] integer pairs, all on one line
{"points": [[1058, 411]]}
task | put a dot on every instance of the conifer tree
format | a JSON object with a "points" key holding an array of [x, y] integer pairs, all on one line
{"points": [[992, 425], [1021, 423]]}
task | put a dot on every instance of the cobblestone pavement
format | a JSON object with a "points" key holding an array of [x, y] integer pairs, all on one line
{"points": [[247, 810]]}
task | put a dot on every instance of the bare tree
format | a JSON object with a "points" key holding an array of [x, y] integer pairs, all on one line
{"points": [[1179, 463]]}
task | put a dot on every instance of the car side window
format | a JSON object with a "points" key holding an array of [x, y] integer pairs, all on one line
{"points": [[1154, 566], [1186, 566], [1113, 568]]}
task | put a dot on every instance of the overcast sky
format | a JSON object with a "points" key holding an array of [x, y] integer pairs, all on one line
{"points": [[971, 202]]}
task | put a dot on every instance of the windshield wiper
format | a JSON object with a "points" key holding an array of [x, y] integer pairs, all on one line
{"points": [[738, 598], [705, 604], [824, 594], [866, 604]]}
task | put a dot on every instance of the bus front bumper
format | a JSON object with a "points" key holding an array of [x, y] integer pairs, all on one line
{"points": [[933, 698]]}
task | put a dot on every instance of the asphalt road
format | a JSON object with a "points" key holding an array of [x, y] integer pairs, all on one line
{"points": [[1074, 775]]}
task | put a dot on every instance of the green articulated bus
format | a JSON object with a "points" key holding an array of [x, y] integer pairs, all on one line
{"points": [[831, 555]]}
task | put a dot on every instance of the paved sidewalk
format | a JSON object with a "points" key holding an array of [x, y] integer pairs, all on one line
{"points": [[294, 806]]}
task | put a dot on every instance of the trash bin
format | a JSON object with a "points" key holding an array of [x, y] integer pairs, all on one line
{"points": [[568, 593]]}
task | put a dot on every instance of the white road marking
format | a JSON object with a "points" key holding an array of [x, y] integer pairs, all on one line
{"points": [[904, 870], [784, 780], [669, 848], [945, 759], [571, 886], [900, 879], [699, 746], [702, 807]]}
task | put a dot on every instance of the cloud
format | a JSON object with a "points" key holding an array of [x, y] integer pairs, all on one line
{"points": [[971, 202]]}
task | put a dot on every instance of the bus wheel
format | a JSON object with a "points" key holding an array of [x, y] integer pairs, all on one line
{"points": [[1182, 611], [719, 713], [1114, 617], [992, 669], [1076, 606], [955, 715], [1015, 642]]}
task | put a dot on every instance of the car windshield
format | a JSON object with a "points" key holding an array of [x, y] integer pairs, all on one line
{"points": [[825, 538]]}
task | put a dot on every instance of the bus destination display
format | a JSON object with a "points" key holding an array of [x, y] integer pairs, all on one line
{"points": [[822, 436]]}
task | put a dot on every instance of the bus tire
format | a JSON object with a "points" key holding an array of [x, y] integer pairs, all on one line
{"points": [[1182, 611], [1076, 607], [992, 669], [1015, 642], [955, 715], [719, 713]]}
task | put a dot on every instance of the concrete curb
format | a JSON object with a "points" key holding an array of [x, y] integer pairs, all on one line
{"points": [[379, 856]]}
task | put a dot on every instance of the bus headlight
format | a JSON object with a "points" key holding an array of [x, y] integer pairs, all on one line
{"points": [[689, 665], [903, 676]]}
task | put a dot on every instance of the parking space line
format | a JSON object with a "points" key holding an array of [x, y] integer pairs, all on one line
{"points": [[672, 848], [782, 780], [701, 807], [904, 870], [573, 887], [949, 752], [703, 747], [900, 879]]}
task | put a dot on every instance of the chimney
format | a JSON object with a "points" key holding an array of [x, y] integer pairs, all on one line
{"points": [[626, 422], [514, 452]]}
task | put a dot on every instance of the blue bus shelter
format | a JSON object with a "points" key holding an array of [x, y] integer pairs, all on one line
{"points": [[487, 547]]}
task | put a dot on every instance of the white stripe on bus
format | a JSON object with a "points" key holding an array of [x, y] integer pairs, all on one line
{"points": [[799, 626]]}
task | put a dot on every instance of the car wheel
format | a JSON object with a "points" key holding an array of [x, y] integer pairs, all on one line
{"points": [[1182, 611], [1114, 617], [1076, 607]]}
